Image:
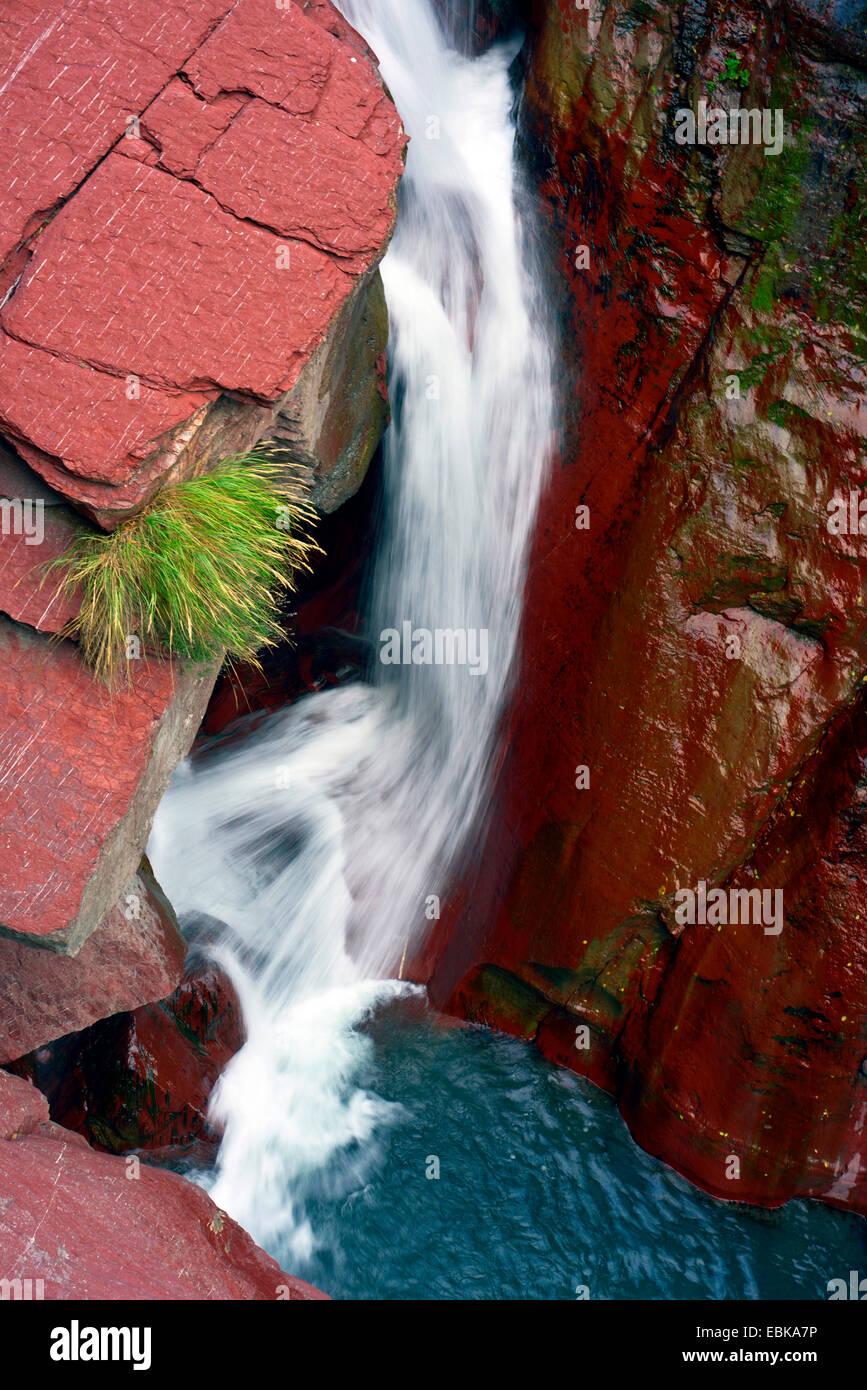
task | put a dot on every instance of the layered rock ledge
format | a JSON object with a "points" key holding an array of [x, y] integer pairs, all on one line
{"points": [[192, 212], [198, 200], [193, 205]]}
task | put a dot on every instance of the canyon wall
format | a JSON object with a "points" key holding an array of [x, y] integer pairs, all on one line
{"points": [[689, 705]]}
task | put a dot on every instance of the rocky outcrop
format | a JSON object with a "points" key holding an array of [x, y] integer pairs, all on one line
{"points": [[135, 954], [82, 773], [75, 1224], [191, 221], [142, 1079], [190, 260], [193, 207], [694, 639]]}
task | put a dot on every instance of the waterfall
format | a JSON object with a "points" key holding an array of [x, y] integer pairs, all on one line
{"points": [[322, 839]]}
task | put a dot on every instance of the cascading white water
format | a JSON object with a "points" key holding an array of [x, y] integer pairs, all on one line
{"points": [[319, 839]]}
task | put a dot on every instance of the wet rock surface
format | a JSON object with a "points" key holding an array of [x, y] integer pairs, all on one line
{"points": [[694, 631], [141, 1079], [135, 954]]}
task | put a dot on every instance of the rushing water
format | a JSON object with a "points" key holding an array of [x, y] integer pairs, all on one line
{"points": [[321, 839], [371, 1148], [540, 1190]]}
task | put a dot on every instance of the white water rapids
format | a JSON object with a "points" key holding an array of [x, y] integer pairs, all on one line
{"points": [[319, 838]]}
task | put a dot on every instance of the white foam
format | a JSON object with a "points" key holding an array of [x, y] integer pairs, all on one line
{"points": [[319, 839]]}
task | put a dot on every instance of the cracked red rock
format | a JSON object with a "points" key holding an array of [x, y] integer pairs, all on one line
{"points": [[212, 210], [88, 769], [72, 82], [109, 244]]}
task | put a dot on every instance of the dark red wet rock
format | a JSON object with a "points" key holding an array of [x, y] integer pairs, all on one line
{"points": [[142, 1078], [696, 646]]}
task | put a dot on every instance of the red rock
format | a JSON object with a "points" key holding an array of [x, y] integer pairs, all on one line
{"points": [[72, 80], [276, 53], [771, 1058], [81, 418], [109, 502], [322, 12], [143, 299], [38, 533], [135, 955], [180, 126], [142, 1079], [707, 522], [91, 1226], [87, 769], [22, 1108], [217, 265], [324, 195]]}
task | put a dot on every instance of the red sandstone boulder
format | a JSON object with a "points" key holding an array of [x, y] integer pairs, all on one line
{"points": [[142, 1079], [95, 87], [81, 773], [191, 228], [135, 954], [83, 1225]]}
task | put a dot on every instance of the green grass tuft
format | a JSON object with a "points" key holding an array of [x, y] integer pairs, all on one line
{"points": [[201, 570]]}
